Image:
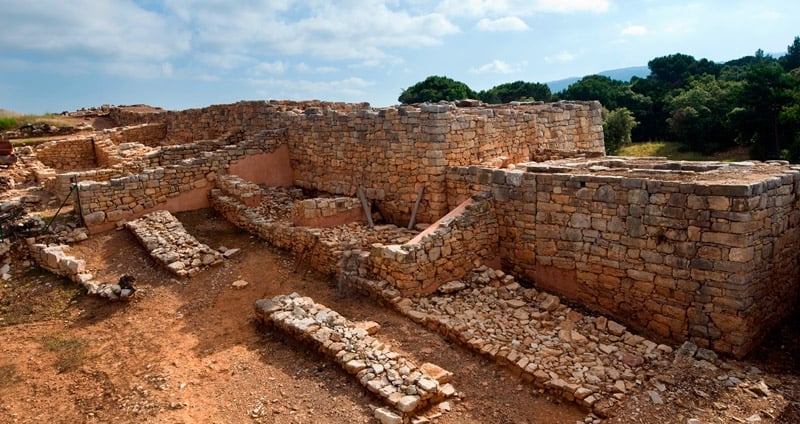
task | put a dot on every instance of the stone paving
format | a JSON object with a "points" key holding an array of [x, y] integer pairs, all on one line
{"points": [[395, 379], [583, 358]]}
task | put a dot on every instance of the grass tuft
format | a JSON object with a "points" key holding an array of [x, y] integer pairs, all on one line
{"points": [[9, 375], [70, 352]]}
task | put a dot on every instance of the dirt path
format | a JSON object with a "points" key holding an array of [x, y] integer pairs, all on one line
{"points": [[188, 351]]}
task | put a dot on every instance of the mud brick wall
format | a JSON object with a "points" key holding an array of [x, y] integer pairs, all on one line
{"points": [[713, 263], [68, 155], [443, 255]]}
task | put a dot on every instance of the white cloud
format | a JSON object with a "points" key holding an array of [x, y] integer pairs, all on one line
{"points": [[508, 23], [113, 30], [491, 8], [634, 30], [277, 67], [495, 66], [560, 57], [353, 88], [569, 6], [350, 30]]}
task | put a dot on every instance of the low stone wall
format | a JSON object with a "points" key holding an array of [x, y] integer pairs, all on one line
{"points": [[444, 252], [69, 154], [56, 259], [168, 242], [151, 135], [687, 258], [327, 212], [246, 192], [382, 371], [178, 187]]}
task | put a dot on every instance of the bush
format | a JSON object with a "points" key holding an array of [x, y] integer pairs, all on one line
{"points": [[617, 126], [7, 123]]}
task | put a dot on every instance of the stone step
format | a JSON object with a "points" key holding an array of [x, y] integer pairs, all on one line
{"points": [[398, 381]]}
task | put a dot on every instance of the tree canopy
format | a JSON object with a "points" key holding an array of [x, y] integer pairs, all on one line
{"points": [[516, 91], [752, 101], [434, 89]]}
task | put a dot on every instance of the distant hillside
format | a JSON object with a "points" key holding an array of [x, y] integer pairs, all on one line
{"points": [[5, 112], [622, 74]]}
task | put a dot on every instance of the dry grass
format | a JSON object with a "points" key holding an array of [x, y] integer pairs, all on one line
{"points": [[70, 352], [676, 151], [8, 375]]}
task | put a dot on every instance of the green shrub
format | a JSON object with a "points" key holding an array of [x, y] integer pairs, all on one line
{"points": [[7, 123], [617, 126]]}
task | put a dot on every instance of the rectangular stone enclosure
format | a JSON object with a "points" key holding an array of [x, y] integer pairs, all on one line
{"points": [[707, 252]]}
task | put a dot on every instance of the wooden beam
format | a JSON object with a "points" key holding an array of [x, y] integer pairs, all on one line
{"points": [[416, 207], [365, 205]]}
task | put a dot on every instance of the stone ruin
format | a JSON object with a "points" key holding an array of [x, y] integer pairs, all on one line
{"points": [[706, 252]]}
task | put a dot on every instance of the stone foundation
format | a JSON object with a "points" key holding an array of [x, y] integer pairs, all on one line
{"points": [[387, 374], [167, 241]]}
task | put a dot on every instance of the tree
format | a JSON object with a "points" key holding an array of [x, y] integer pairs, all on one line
{"points": [[516, 91], [699, 114], [434, 89], [765, 92], [617, 126], [791, 60]]}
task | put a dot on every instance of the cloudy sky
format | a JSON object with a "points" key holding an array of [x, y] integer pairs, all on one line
{"points": [[62, 55]]}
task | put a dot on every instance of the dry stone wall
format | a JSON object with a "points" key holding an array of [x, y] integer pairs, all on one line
{"points": [[69, 154], [133, 194], [712, 261], [392, 152], [444, 254]]}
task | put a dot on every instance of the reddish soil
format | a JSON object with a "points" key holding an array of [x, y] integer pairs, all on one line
{"points": [[188, 350]]}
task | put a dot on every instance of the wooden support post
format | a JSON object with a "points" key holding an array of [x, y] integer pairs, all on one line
{"points": [[416, 208], [365, 205]]}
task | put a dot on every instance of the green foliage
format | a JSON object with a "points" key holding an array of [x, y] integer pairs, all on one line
{"points": [[698, 114], [617, 126], [434, 89], [765, 93], [678, 151], [791, 60], [7, 123], [516, 91]]}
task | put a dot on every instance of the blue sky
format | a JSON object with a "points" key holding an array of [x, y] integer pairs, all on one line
{"points": [[63, 55]]}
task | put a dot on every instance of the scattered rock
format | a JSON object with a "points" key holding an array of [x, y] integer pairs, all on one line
{"points": [[239, 284]]}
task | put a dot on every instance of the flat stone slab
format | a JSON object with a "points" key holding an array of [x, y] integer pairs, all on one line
{"points": [[167, 241], [395, 379]]}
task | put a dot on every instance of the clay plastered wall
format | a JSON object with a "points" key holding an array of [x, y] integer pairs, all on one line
{"points": [[713, 263], [447, 253], [392, 152], [67, 155]]}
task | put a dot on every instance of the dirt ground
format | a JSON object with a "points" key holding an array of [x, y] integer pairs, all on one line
{"points": [[186, 351]]}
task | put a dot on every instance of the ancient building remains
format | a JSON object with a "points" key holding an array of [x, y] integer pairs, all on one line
{"points": [[706, 252]]}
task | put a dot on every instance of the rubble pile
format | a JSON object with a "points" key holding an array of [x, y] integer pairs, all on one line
{"points": [[168, 242], [387, 374], [590, 360]]}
